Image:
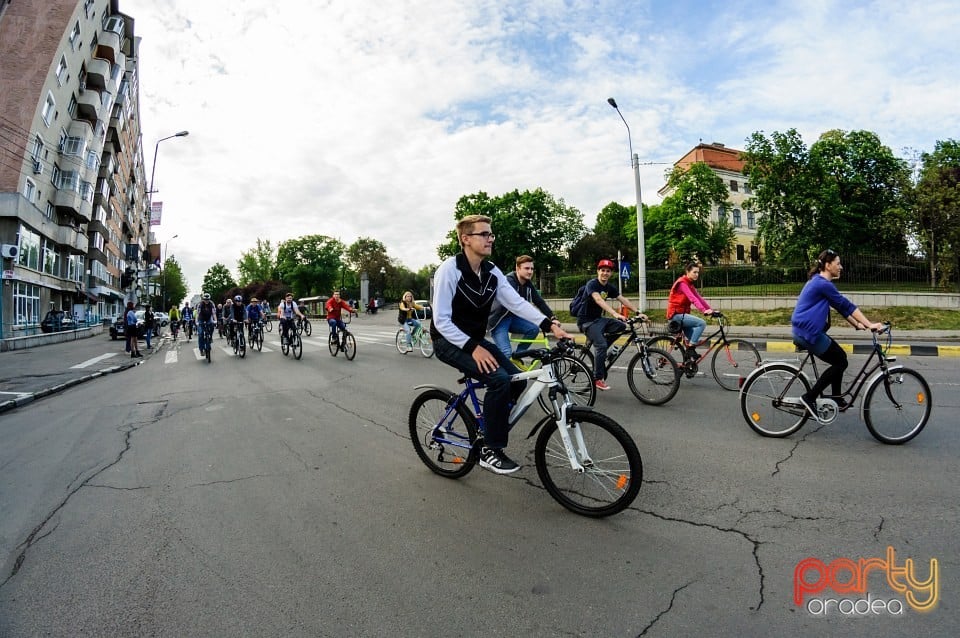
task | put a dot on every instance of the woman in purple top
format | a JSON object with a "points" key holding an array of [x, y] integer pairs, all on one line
{"points": [[811, 320]]}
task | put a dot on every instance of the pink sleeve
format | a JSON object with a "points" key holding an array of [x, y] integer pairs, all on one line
{"points": [[694, 297]]}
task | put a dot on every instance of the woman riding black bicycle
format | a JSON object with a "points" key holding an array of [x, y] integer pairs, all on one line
{"points": [[811, 321]]}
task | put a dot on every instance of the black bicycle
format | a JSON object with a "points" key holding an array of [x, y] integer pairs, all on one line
{"points": [[733, 359], [304, 327], [342, 340], [256, 335], [896, 406], [652, 374], [239, 341]]}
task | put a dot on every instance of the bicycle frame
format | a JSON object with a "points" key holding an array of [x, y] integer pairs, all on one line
{"points": [[541, 378], [632, 339], [680, 340]]}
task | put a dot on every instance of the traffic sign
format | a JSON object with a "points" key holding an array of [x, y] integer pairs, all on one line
{"points": [[624, 270]]}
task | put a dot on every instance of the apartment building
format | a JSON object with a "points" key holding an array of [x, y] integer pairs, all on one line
{"points": [[727, 164], [73, 202]]}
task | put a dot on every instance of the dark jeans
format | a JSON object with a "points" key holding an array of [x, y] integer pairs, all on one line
{"points": [[500, 391], [597, 332], [828, 351]]}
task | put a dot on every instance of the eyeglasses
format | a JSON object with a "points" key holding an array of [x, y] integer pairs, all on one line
{"points": [[485, 234]]}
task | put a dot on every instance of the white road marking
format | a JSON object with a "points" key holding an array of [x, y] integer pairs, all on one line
{"points": [[90, 362]]}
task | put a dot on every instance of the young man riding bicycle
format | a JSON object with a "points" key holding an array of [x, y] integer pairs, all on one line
{"points": [[465, 287], [503, 323], [286, 311], [592, 323], [254, 316], [334, 307]]}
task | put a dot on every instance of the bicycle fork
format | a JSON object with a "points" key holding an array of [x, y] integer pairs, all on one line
{"points": [[573, 442]]}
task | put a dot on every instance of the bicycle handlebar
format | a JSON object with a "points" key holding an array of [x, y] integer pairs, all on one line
{"points": [[563, 346]]}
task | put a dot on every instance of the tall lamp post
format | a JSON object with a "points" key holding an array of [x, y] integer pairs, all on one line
{"points": [[153, 173], [163, 272], [641, 242], [383, 283]]}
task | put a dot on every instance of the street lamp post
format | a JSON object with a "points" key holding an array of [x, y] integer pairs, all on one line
{"points": [[153, 173], [383, 282], [163, 272], [641, 250]]}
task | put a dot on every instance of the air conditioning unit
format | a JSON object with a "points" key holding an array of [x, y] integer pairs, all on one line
{"points": [[37, 167], [9, 251]]}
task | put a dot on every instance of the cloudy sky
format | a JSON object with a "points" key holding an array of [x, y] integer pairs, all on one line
{"points": [[355, 118]]}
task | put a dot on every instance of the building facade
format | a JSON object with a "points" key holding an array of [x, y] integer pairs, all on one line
{"points": [[727, 164], [73, 202]]}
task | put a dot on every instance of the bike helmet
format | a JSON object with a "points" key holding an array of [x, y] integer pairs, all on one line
{"points": [[206, 296], [238, 299]]}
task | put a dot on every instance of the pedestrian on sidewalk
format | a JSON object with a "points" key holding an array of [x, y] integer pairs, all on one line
{"points": [[130, 331], [148, 319]]}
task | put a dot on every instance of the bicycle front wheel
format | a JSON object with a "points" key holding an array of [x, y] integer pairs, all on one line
{"points": [[297, 347], [653, 376], [897, 406], [349, 346], [426, 344], [732, 363], [443, 435], [307, 327], [612, 469], [285, 345], [401, 341], [242, 341], [269, 326], [258, 340], [770, 400]]}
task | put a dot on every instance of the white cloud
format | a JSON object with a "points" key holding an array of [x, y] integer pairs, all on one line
{"points": [[358, 118]]}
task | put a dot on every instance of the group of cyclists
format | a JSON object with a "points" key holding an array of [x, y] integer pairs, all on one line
{"points": [[233, 313]]}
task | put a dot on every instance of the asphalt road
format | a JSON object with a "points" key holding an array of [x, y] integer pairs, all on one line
{"points": [[274, 497]]}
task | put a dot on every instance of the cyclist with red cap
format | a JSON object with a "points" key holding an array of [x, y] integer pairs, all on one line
{"points": [[592, 323]]}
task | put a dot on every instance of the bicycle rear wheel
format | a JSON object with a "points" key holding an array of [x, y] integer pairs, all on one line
{"points": [[897, 406], [653, 376], [297, 347], [333, 344], [443, 437], [269, 326], [584, 355], [770, 400], [349, 346], [426, 344], [731, 363], [612, 468], [307, 327]]}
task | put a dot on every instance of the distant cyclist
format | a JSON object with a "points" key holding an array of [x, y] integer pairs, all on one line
{"points": [[236, 317], [174, 320], [254, 314], [406, 315], [334, 307], [683, 294], [206, 317], [187, 315], [286, 311]]}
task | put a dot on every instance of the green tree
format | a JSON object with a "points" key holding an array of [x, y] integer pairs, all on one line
{"points": [[173, 285], [528, 223], [310, 264], [936, 212], [368, 255], [257, 264], [218, 281], [679, 229]]}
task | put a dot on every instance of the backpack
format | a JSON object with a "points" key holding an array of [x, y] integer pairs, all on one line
{"points": [[579, 302]]}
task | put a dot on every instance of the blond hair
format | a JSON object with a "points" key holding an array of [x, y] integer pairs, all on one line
{"points": [[466, 225]]}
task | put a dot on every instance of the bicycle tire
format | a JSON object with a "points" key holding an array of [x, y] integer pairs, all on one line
{"points": [[307, 327], [611, 478], [297, 348], [578, 379], [258, 340], [897, 405], [285, 345], [456, 452], [268, 325], [349, 346], [770, 400], [653, 376], [426, 344], [208, 354], [333, 345], [585, 355], [731, 363], [243, 343], [401, 341]]}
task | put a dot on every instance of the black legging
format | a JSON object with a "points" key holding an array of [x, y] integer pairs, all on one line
{"points": [[832, 376]]}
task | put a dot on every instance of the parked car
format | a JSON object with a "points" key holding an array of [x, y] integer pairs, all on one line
{"points": [[162, 319], [118, 329], [427, 309], [55, 317]]}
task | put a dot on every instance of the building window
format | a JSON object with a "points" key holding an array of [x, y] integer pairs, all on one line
{"points": [[72, 106], [721, 214], [73, 146], [49, 107], [26, 303], [733, 186], [49, 211], [740, 252], [30, 191], [62, 70], [746, 189], [754, 253], [75, 36], [736, 218], [51, 259], [88, 8], [114, 24], [29, 255], [751, 221], [69, 181], [37, 152]]}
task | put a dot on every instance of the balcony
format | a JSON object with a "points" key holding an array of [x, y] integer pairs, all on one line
{"points": [[71, 203], [98, 74], [88, 106], [108, 46]]}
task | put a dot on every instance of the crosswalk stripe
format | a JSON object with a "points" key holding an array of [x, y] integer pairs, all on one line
{"points": [[171, 357], [90, 362]]}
